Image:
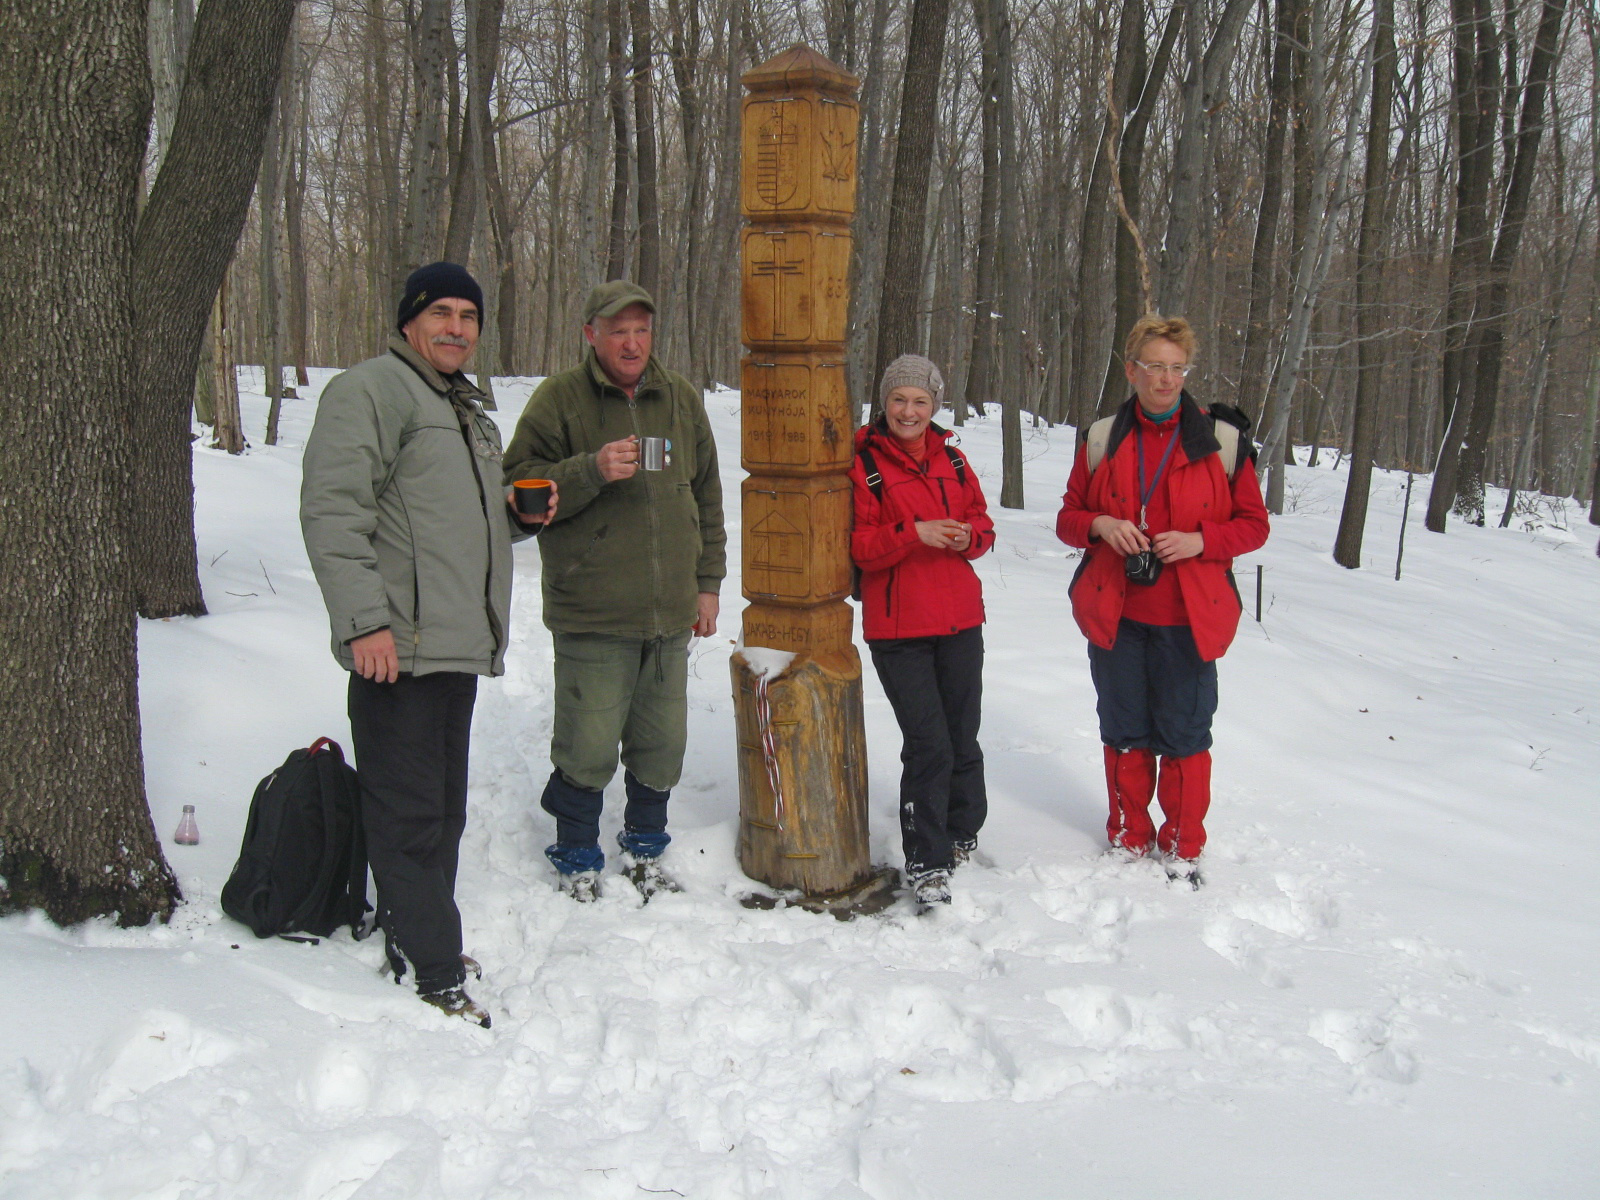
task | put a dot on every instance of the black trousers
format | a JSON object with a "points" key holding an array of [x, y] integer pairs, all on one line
{"points": [[411, 740], [935, 685]]}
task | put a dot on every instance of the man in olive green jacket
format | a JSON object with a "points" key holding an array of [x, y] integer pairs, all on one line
{"points": [[409, 533], [632, 567]]}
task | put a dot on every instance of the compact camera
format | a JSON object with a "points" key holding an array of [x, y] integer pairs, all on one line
{"points": [[1143, 568]]}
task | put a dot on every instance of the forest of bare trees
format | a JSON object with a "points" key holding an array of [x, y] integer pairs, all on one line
{"points": [[1379, 214]]}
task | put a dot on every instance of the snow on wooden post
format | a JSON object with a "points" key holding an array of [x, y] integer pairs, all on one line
{"points": [[797, 684]]}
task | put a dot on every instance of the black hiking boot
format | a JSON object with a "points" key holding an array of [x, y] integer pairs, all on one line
{"points": [[457, 1003], [930, 889]]}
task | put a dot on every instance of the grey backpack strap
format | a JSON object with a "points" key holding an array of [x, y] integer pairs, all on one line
{"points": [[1099, 436], [1228, 442]]}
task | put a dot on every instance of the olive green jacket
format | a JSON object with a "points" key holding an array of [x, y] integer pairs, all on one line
{"points": [[404, 518], [627, 556]]}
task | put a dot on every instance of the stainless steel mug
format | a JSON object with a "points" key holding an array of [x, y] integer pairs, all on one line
{"points": [[653, 453]]}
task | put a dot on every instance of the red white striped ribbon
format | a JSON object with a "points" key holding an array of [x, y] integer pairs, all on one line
{"points": [[769, 748]]}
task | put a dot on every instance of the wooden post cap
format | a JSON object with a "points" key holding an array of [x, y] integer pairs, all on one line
{"points": [[801, 67]]}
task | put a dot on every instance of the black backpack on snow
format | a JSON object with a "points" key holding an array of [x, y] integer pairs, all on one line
{"points": [[303, 864]]}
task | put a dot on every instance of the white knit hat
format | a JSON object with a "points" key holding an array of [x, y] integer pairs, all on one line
{"points": [[912, 370]]}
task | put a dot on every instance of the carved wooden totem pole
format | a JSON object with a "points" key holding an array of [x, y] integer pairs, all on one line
{"points": [[802, 751]]}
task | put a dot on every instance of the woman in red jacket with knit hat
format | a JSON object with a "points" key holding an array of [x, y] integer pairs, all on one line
{"points": [[1161, 515], [920, 519]]}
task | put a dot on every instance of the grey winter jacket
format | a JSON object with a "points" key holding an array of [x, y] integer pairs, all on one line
{"points": [[627, 556], [404, 518]]}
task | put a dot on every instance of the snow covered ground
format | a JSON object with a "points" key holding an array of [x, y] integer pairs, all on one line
{"points": [[1388, 988]]}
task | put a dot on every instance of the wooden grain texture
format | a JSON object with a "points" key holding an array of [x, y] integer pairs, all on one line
{"points": [[796, 286], [798, 193], [796, 539], [796, 414], [818, 843]]}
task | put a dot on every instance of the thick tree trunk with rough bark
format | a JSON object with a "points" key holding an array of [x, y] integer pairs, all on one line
{"points": [[186, 238], [430, 41], [1476, 94], [903, 251], [76, 839]]}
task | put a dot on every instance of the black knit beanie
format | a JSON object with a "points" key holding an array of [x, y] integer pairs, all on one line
{"points": [[437, 281]]}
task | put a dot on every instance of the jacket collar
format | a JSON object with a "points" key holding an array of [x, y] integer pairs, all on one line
{"points": [[456, 387], [1194, 428], [650, 381], [878, 436]]}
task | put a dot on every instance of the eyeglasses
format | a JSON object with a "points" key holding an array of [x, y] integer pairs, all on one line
{"points": [[1181, 370]]}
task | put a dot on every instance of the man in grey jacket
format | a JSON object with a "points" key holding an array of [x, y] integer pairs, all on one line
{"points": [[410, 534]]}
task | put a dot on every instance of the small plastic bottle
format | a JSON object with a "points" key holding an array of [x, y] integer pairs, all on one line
{"points": [[188, 832]]}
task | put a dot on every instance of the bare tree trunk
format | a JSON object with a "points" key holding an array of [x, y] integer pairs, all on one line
{"points": [[1133, 298], [1090, 327], [228, 430], [1207, 73], [297, 139], [980, 388], [1475, 98], [1013, 376], [76, 839], [686, 50], [1521, 472], [644, 120], [902, 265], [425, 175], [617, 256], [1507, 245], [186, 238], [866, 260], [1369, 291], [274, 168], [593, 80], [1324, 195], [170, 32], [1259, 330]]}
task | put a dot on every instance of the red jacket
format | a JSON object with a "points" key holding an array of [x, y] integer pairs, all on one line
{"points": [[909, 589], [1229, 516]]}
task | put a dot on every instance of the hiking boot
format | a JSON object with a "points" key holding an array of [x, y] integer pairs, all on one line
{"points": [[1184, 871], [930, 888], [582, 886], [648, 875], [471, 966], [457, 1003], [962, 850]]}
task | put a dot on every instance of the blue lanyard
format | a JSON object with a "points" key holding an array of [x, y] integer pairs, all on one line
{"points": [[1146, 492]]}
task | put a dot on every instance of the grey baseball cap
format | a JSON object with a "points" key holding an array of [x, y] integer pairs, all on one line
{"points": [[608, 299]]}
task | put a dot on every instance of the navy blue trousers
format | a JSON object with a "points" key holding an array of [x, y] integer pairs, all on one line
{"points": [[1154, 691]]}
